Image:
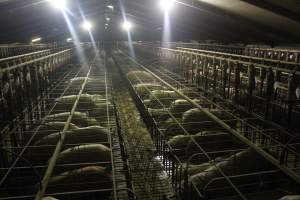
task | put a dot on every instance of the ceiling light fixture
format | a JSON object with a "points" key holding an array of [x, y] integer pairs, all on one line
{"points": [[36, 40], [87, 25], [166, 5], [69, 39], [126, 25], [59, 4], [110, 7]]}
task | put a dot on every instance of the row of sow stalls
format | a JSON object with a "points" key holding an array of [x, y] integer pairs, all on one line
{"points": [[202, 159], [84, 168]]}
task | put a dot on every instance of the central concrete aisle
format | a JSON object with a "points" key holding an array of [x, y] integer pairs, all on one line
{"points": [[148, 178]]}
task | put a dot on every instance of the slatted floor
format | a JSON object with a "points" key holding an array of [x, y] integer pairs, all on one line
{"points": [[148, 178]]}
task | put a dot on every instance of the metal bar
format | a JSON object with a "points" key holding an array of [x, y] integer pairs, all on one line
{"points": [[237, 56], [108, 123], [33, 61], [23, 55], [233, 60], [193, 140], [57, 194], [30, 140], [286, 170], [238, 50], [57, 150], [250, 125], [23, 45]]}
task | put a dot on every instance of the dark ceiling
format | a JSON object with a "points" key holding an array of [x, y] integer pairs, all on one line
{"points": [[21, 20]]}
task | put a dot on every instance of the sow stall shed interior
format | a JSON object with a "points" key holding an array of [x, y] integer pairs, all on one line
{"points": [[190, 145], [161, 139], [86, 162]]}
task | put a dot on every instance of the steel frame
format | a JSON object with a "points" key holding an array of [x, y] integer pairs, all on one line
{"points": [[266, 60], [25, 85], [13, 50], [176, 165], [101, 87], [235, 80], [278, 55], [288, 137], [147, 166], [13, 60]]}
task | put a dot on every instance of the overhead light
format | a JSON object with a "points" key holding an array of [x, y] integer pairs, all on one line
{"points": [[69, 39], [106, 24], [36, 40], [107, 18], [166, 5], [87, 25], [59, 4], [126, 25], [110, 7]]}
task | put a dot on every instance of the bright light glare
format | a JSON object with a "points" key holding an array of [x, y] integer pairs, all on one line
{"points": [[69, 40], [166, 5], [126, 25], [110, 7], [59, 4], [87, 25], [36, 40]]}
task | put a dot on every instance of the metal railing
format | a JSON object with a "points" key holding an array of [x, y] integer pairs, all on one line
{"points": [[25, 186], [265, 89], [248, 134], [5, 62], [23, 84]]}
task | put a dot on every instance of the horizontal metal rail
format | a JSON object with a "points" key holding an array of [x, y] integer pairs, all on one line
{"points": [[186, 132], [18, 49], [274, 49], [60, 194], [23, 93], [214, 47], [176, 164], [23, 45], [58, 147], [59, 81], [259, 147], [3, 70], [239, 57], [245, 84], [289, 71], [279, 54], [286, 54], [15, 162], [286, 169], [23, 56], [101, 88]]}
